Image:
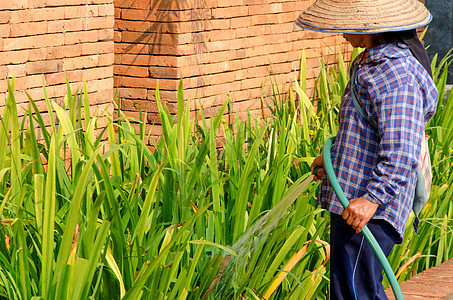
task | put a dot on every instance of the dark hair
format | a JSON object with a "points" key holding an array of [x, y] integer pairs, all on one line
{"points": [[392, 37]]}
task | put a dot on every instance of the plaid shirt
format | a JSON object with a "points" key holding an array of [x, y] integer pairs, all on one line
{"points": [[380, 164]]}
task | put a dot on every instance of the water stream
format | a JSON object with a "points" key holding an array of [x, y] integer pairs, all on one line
{"points": [[255, 238]]}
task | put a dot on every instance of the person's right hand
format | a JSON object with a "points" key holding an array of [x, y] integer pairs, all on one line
{"points": [[318, 163]]}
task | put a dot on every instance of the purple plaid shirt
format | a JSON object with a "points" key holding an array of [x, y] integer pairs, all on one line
{"points": [[380, 164]]}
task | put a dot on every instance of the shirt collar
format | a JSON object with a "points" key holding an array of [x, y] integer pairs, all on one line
{"points": [[378, 53]]}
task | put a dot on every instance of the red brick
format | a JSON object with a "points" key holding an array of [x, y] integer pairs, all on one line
{"points": [[146, 4], [60, 26], [37, 3], [27, 29], [105, 34], [131, 71], [102, 99], [132, 14], [16, 70], [135, 115], [222, 89], [235, 64], [185, 38], [253, 31], [62, 51], [117, 36], [164, 84], [260, 9], [106, 10], [192, 4], [222, 78], [248, 106], [19, 43], [221, 35], [3, 72], [47, 40], [225, 55], [71, 38], [187, 71], [97, 73], [97, 23], [251, 83], [46, 14], [15, 57], [22, 103], [218, 46], [148, 60], [117, 60], [170, 50], [117, 13], [295, 6], [223, 23], [47, 66], [229, 12], [100, 85], [131, 48], [97, 48], [2, 96], [20, 16], [182, 27], [96, 2], [5, 17], [284, 28], [219, 67], [262, 19], [66, 51], [167, 97], [254, 41], [82, 62], [135, 105], [106, 59], [243, 95], [163, 72], [59, 78], [150, 27], [82, 11], [34, 54], [134, 93], [226, 3], [16, 4], [155, 131], [148, 38], [286, 17]]}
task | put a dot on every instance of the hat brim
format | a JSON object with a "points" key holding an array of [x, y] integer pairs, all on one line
{"points": [[364, 30], [364, 16]]}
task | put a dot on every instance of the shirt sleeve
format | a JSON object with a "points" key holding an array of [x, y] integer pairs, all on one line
{"points": [[398, 110]]}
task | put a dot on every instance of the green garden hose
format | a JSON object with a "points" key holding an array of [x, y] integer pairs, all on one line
{"points": [[366, 232]]}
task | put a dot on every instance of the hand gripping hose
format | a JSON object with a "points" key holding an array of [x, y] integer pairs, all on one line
{"points": [[366, 232]]}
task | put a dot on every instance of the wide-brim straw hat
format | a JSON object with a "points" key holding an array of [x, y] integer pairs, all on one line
{"points": [[364, 16]]}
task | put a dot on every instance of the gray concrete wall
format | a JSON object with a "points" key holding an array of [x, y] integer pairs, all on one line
{"points": [[440, 31]]}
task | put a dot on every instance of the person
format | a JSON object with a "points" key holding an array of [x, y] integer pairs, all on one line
{"points": [[375, 163]]}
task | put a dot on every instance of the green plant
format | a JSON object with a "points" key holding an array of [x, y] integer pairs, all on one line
{"points": [[82, 217], [111, 219], [432, 244]]}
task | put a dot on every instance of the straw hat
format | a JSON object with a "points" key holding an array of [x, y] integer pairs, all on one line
{"points": [[364, 16]]}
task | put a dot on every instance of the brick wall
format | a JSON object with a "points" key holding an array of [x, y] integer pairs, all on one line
{"points": [[218, 47], [50, 37]]}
